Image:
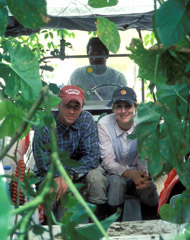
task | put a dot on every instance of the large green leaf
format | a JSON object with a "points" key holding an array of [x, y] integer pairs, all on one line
{"points": [[175, 97], [108, 33], [179, 213], [30, 13], [177, 144], [148, 61], [160, 137], [12, 118], [5, 208], [149, 115], [102, 3], [184, 174], [22, 76], [172, 22], [3, 18]]}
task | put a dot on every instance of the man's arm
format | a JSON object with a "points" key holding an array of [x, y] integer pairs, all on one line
{"points": [[41, 151]]}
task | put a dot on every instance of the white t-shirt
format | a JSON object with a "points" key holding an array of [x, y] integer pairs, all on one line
{"points": [[87, 79]]}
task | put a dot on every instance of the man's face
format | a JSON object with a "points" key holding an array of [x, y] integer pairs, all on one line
{"points": [[94, 50], [70, 112], [124, 112]]}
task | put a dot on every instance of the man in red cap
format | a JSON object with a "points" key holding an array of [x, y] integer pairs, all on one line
{"points": [[77, 134]]}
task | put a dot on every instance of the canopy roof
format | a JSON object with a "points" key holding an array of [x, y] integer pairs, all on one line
{"points": [[77, 15]]}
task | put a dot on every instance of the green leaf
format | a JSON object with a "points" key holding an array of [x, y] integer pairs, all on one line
{"points": [[167, 213], [54, 101], [92, 232], [108, 33], [67, 161], [102, 3], [54, 88], [5, 208], [161, 137], [22, 76], [177, 212], [31, 14], [184, 175], [172, 22], [148, 120], [174, 97], [147, 60], [3, 18], [12, 118], [38, 229]]}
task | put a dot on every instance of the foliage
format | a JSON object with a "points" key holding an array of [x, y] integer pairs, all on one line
{"points": [[163, 126], [5, 209], [108, 33], [102, 3], [163, 129], [29, 14], [172, 21], [181, 207]]}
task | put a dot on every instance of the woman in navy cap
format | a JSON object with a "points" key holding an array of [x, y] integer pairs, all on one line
{"points": [[126, 173]]}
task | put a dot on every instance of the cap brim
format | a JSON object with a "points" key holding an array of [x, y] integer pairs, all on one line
{"points": [[67, 99], [129, 100]]}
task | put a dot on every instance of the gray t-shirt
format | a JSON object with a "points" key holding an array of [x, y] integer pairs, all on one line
{"points": [[87, 79]]}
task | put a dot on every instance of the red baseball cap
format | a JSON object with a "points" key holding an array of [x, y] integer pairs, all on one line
{"points": [[71, 92]]}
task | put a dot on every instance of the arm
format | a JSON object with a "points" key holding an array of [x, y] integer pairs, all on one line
{"points": [[41, 152], [107, 152], [42, 160]]}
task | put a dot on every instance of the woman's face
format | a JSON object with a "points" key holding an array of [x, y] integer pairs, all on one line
{"points": [[124, 112]]}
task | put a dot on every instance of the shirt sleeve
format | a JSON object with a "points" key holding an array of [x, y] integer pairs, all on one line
{"points": [[142, 166], [89, 148], [41, 152], [107, 152]]}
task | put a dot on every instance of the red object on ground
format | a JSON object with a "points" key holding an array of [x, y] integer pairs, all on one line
{"points": [[169, 184]]}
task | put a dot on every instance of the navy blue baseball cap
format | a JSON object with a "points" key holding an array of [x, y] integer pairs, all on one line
{"points": [[124, 94]]}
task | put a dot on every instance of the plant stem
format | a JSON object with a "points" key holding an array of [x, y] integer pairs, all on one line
{"points": [[24, 224]]}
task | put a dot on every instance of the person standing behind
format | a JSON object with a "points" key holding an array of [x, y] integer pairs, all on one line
{"points": [[77, 134], [97, 73], [126, 173]]}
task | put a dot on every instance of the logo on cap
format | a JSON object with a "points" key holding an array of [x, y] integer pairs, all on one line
{"points": [[73, 91], [123, 92]]}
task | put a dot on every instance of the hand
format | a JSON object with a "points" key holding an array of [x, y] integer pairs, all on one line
{"points": [[140, 178], [61, 187]]}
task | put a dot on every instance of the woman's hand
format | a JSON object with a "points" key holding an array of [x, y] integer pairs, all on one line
{"points": [[140, 178]]}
